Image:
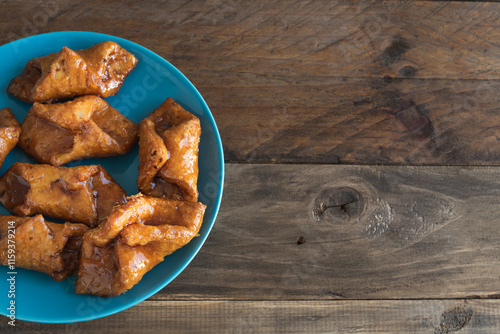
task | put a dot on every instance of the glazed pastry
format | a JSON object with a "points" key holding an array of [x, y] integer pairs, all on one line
{"points": [[135, 237], [83, 194], [9, 133], [86, 127], [168, 153], [98, 70], [41, 245]]}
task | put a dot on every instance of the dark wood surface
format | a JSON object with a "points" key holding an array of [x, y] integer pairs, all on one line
{"points": [[305, 94]]}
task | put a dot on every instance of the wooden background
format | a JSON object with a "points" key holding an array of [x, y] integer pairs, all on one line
{"points": [[361, 141]]}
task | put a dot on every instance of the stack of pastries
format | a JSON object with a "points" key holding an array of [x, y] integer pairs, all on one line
{"points": [[110, 240]]}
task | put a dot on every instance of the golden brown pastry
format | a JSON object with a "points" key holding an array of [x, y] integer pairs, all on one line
{"points": [[98, 70], [41, 245], [86, 127], [135, 237], [83, 194], [168, 153], [9, 133]]}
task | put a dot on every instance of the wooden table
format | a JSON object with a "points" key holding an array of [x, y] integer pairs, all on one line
{"points": [[362, 147]]}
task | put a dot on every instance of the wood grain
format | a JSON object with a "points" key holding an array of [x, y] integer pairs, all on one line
{"points": [[307, 248], [365, 121], [361, 38], [367, 232], [236, 317], [363, 82]]}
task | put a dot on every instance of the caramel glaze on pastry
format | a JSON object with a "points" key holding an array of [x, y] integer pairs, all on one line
{"points": [[135, 238], [41, 245], [87, 127], [9, 133], [83, 194], [98, 70], [168, 153]]}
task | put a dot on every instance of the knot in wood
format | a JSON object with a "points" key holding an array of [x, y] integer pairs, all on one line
{"points": [[394, 52], [340, 204], [454, 319], [407, 71]]}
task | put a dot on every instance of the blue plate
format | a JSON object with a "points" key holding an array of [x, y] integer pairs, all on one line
{"points": [[38, 297]]}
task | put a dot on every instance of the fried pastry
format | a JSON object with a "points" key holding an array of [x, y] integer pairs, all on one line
{"points": [[9, 133], [168, 153], [98, 70], [86, 127], [135, 237], [83, 194], [41, 245]]}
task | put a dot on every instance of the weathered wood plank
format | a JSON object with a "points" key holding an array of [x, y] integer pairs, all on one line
{"points": [[363, 121], [375, 316], [318, 81], [364, 38], [302, 232]]}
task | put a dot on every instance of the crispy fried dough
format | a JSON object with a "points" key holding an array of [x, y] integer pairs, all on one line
{"points": [[83, 194], [9, 133], [135, 237], [41, 245], [98, 70], [168, 152], [87, 127]]}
